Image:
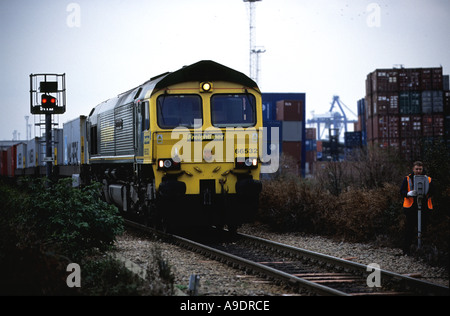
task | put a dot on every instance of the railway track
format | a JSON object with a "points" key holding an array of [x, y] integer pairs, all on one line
{"points": [[306, 271]]}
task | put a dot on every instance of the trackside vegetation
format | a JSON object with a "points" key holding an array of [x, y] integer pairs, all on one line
{"points": [[46, 226], [359, 200]]}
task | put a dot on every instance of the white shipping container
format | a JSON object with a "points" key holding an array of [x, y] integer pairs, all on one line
{"points": [[32, 157], [74, 141], [21, 156]]}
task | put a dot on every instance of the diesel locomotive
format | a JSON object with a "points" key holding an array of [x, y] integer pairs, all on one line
{"points": [[182, 148]]}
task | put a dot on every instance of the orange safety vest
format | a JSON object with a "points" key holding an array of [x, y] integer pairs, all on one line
{"points": [[409, 200]]}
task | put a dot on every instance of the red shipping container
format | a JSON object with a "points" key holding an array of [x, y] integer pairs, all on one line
{"points": [[410, 79], [386, 126], [385, 103], [410, 148], [310, 133], [410, 126], [369, 129], [319, 146], [3, 163], [290, 110], [382, 80], [294, 150], [11, 160], [433, 125]]}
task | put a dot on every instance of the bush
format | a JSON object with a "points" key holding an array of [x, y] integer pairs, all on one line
{"points": [[74, 220], [358, 200]]}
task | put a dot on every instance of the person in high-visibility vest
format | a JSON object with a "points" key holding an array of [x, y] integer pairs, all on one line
{"points": [[410, 208]]}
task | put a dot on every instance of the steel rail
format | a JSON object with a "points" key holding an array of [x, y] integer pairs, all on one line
{"points": [[409, 283], [412, 285]]}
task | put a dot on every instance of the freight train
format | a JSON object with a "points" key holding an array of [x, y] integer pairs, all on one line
{"points": [[182, 149]]}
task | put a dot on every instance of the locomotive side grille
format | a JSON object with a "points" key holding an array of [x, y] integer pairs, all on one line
{"points": [[107, 133], [117, 131]]}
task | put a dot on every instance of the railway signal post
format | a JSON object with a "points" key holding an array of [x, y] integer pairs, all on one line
{"points": [[48, 97]]}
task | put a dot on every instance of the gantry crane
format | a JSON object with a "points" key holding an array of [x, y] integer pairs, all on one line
{"points": [[332, 120]]}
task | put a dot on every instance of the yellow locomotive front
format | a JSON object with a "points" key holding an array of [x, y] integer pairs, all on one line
{"points": [[205, 149], [182, 148]]}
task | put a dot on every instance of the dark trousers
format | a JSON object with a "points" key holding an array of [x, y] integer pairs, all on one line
{"points": [[411, 226]]}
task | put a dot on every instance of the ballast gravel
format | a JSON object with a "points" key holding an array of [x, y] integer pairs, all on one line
{"points": [[218, 279]]}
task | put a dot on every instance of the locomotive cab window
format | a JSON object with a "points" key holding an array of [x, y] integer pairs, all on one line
{"points": [[179, 110], [237, 110]]}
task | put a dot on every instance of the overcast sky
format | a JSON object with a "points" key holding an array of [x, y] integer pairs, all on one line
{"points": [[105, 47]]}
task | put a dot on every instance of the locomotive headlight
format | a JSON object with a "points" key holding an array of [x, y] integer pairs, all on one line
{"points": [[206, 87], [167, 163], [251, 162], [248, 163]]}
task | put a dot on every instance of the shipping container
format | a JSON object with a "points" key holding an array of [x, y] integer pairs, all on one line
{"points": [[290, 110], [292, 131], [294, 150], [385, 103], [74, 143], [33, 150], [361, 106], [382, 80], [410, 126], [410, 102], [269, 101], [386, 126], [271, 130], [58, 146], [21, 156], [432, 79], [446, 102], [447, 127], [433, 125], [410, 79], [410, 148], [269, 111], [432, 102], [368, 106], [393, 143], [369, 129], [311, 133], [311, 145], [352, 139], [11, 160], [3, 163], [310, 160]]}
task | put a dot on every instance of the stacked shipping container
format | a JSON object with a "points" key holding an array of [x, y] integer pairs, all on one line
{"points": [[286, 111], [291, 113], [311, 149], [403, 106]]}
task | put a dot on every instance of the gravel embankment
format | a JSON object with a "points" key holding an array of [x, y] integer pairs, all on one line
{"points": [[219, 279]]}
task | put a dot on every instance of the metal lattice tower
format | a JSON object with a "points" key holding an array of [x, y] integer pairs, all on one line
{"points": [[254, 61]]}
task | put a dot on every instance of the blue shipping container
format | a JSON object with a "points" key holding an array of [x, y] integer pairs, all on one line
{"points": [[270, 128]]}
